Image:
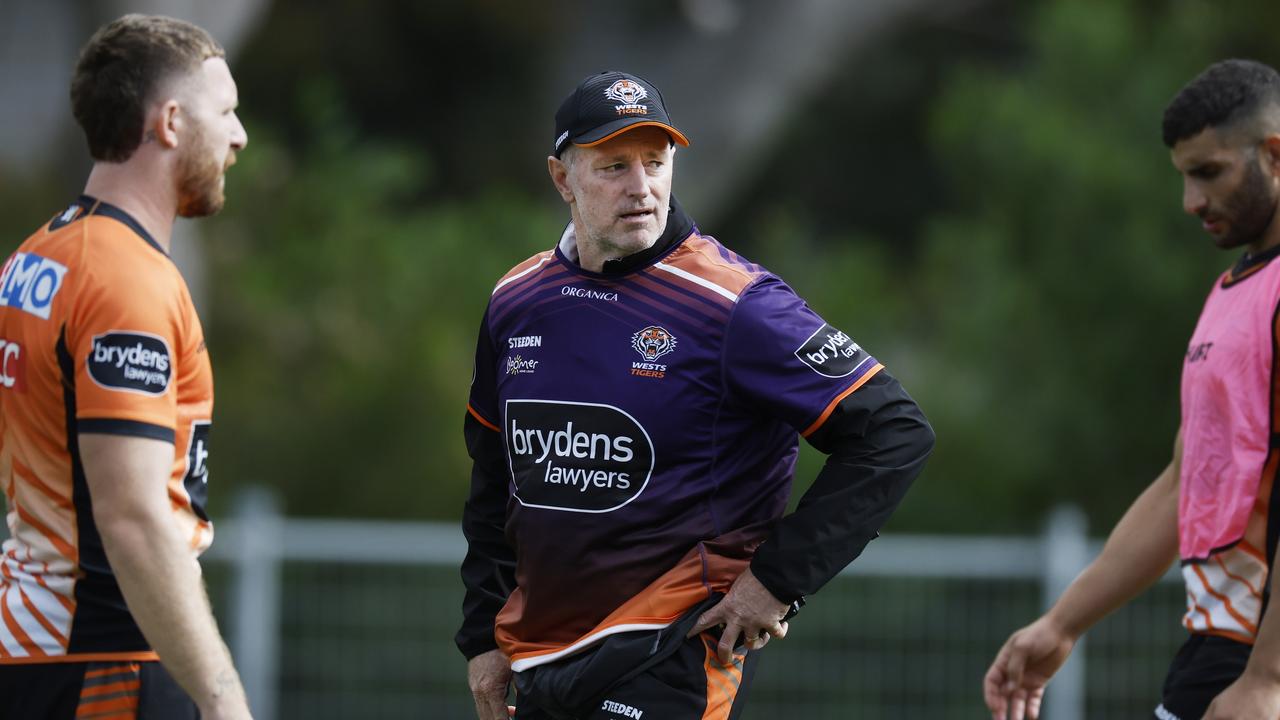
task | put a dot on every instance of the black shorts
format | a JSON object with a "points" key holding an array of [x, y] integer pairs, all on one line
{"points": [[92, 691], [651, 674], [690, 684], [1203, 668]]}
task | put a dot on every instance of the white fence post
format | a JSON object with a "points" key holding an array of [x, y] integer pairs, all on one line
{"points": [[1066, 553], [255, 596]]}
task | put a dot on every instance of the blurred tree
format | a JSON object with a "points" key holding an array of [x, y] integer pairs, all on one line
{"points": [[346, 318], [1039, 305]]}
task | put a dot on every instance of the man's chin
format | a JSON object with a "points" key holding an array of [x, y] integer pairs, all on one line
{"points": [[204, 207]]}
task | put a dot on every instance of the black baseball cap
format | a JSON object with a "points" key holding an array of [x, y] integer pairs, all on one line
{"points": [[608, 104]]}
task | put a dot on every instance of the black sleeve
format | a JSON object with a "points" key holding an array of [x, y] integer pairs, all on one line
{"points": [[489, 569], [878, 440]]}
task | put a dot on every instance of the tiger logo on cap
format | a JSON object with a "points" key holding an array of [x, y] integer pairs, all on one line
{"points": [[653, 342], [627, 92]]}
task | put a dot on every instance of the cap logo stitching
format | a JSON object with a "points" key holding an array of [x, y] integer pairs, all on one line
{"points": [[629, 93]]}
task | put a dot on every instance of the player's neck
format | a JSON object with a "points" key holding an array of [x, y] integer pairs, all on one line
{"points": [[145, 193]]}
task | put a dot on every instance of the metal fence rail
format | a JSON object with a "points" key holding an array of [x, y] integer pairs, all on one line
{"points": [[339, 619], [350, 619]]}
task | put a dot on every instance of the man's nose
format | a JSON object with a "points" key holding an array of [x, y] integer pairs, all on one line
{"points": [[1194, 201], [636, 181]]}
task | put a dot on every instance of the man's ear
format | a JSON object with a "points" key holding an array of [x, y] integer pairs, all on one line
{"points": [[560, 178], [1271, 153], [165, 124]]}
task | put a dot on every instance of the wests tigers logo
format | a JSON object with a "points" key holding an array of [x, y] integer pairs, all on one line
{"points": [[653, 342]]}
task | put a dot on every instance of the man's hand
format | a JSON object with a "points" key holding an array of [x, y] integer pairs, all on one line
{"points": [[749, 610], [1249, 696], [1014, 686], [489, 674]]}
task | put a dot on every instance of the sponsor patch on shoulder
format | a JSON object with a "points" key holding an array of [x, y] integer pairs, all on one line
{"points": [[831, 353], [131, 361]]}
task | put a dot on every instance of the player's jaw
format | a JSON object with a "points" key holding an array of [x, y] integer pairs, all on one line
{"points": [[1244, 216], [201, 180]]}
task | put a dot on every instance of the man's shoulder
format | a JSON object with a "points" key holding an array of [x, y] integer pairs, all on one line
{"points": [[705, 261], [524, 269]]}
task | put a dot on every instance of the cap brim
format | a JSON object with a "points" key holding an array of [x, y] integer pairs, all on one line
{"points": [[609, 131]]}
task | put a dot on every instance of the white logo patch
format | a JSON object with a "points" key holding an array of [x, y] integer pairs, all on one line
{"points": [[30, 282]]}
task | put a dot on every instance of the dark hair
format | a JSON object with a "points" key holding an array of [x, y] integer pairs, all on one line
{"points": [[1226, 92], [120, 69]]}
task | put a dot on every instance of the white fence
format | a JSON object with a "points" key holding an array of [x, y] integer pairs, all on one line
{"points": [[257, 544], [343, 618]]}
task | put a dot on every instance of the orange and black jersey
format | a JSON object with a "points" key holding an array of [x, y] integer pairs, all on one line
{"points": [[98, 334], [635, 434]]}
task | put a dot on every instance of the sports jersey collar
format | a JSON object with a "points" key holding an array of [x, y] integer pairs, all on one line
{"points": [[1248, 265], [679, 227], [94, 206]]}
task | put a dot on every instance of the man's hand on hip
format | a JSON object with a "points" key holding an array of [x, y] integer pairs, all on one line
{"points": [[748, 610], [489, 675]]}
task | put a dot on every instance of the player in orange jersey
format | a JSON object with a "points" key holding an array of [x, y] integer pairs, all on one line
{"points": [[106, 396]]}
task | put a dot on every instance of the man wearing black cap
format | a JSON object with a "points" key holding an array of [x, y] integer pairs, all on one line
{"points": [[633, 421]]}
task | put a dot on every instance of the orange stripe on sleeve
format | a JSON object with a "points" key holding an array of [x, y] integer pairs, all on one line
{"points": [[480, 419], [832, 406]]}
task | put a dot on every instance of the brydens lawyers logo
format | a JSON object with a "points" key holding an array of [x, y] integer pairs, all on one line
{"points": [[629, 93], [576, 457], [652, 343], [831, 353], [131, 361]]}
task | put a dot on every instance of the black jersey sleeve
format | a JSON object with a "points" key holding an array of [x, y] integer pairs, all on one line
{"points": [[488, 570], [877, 440]]}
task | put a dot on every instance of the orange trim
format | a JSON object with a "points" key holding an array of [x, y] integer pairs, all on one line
{"points": [[678, 136], [121, 669], [1226, 634], [832, 407], [129, 714], [719, 693], [130, 686], [699, 257], [481, 420], [145, 656], [1226, 601], [1237, 578], [525, 265]]}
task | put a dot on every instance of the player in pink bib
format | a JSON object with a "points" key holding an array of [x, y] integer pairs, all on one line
{"points": [[1214, 507]]}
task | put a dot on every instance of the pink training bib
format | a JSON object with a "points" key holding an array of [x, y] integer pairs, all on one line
{"points": [[1227, 391]]}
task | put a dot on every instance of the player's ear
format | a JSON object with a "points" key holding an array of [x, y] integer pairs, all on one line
{"points": [[1271, 153], [560, 177], [165, 124]]}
